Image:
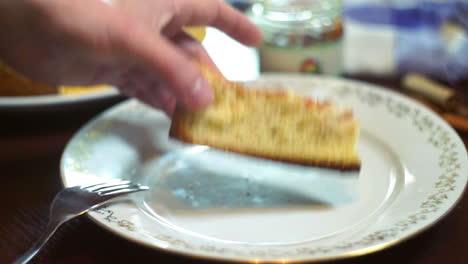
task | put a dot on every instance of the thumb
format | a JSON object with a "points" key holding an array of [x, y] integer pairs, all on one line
{"points": [[179, 72]]}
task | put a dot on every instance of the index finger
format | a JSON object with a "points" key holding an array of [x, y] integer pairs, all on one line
{"points": [[218, 14]]}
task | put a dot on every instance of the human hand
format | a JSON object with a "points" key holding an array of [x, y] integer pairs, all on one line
{"points": [[136, 45]]}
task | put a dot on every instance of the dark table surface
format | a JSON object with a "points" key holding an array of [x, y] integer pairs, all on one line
{"points": [[31, 144]]}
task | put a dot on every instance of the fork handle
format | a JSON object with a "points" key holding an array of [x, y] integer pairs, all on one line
{"points": [[39, 244]]}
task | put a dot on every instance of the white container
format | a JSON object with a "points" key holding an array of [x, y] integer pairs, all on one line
{"points": [[300, 35]]}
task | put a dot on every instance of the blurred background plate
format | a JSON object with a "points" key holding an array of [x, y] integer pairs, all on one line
{"points": [[56, 101]]}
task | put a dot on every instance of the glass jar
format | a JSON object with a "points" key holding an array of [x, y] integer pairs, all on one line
{"points": [[300, 35]]}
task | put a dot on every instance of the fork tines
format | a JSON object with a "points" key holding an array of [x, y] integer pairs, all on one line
{"points": [[115, 187]]}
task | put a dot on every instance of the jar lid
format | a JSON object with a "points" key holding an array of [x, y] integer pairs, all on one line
{"points": [[296, 16]]}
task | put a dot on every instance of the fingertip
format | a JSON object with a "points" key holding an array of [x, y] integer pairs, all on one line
{"points": [[247, 33], [255, 36], [240, 27]]}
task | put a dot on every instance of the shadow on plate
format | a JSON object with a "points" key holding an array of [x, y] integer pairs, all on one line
{"points": [[200, 178]]}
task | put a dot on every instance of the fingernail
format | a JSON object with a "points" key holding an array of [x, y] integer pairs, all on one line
{"points": [[201, 94], [191, 47]]}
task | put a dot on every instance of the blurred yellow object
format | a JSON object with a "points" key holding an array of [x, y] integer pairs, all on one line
{"points": [[73, 90], [13, 83], [198, 33]]}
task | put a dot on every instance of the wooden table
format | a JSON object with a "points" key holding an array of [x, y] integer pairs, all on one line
{"points": [[30, 150]]}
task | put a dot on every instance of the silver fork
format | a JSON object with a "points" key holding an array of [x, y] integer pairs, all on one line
{"points": [[75, 201]]}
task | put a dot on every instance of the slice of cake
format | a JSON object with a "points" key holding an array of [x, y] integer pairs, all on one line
{"points": [[275, 125]]}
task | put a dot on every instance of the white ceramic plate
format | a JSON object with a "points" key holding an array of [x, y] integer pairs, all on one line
{"points": [[206, 203], [47, 101]]}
